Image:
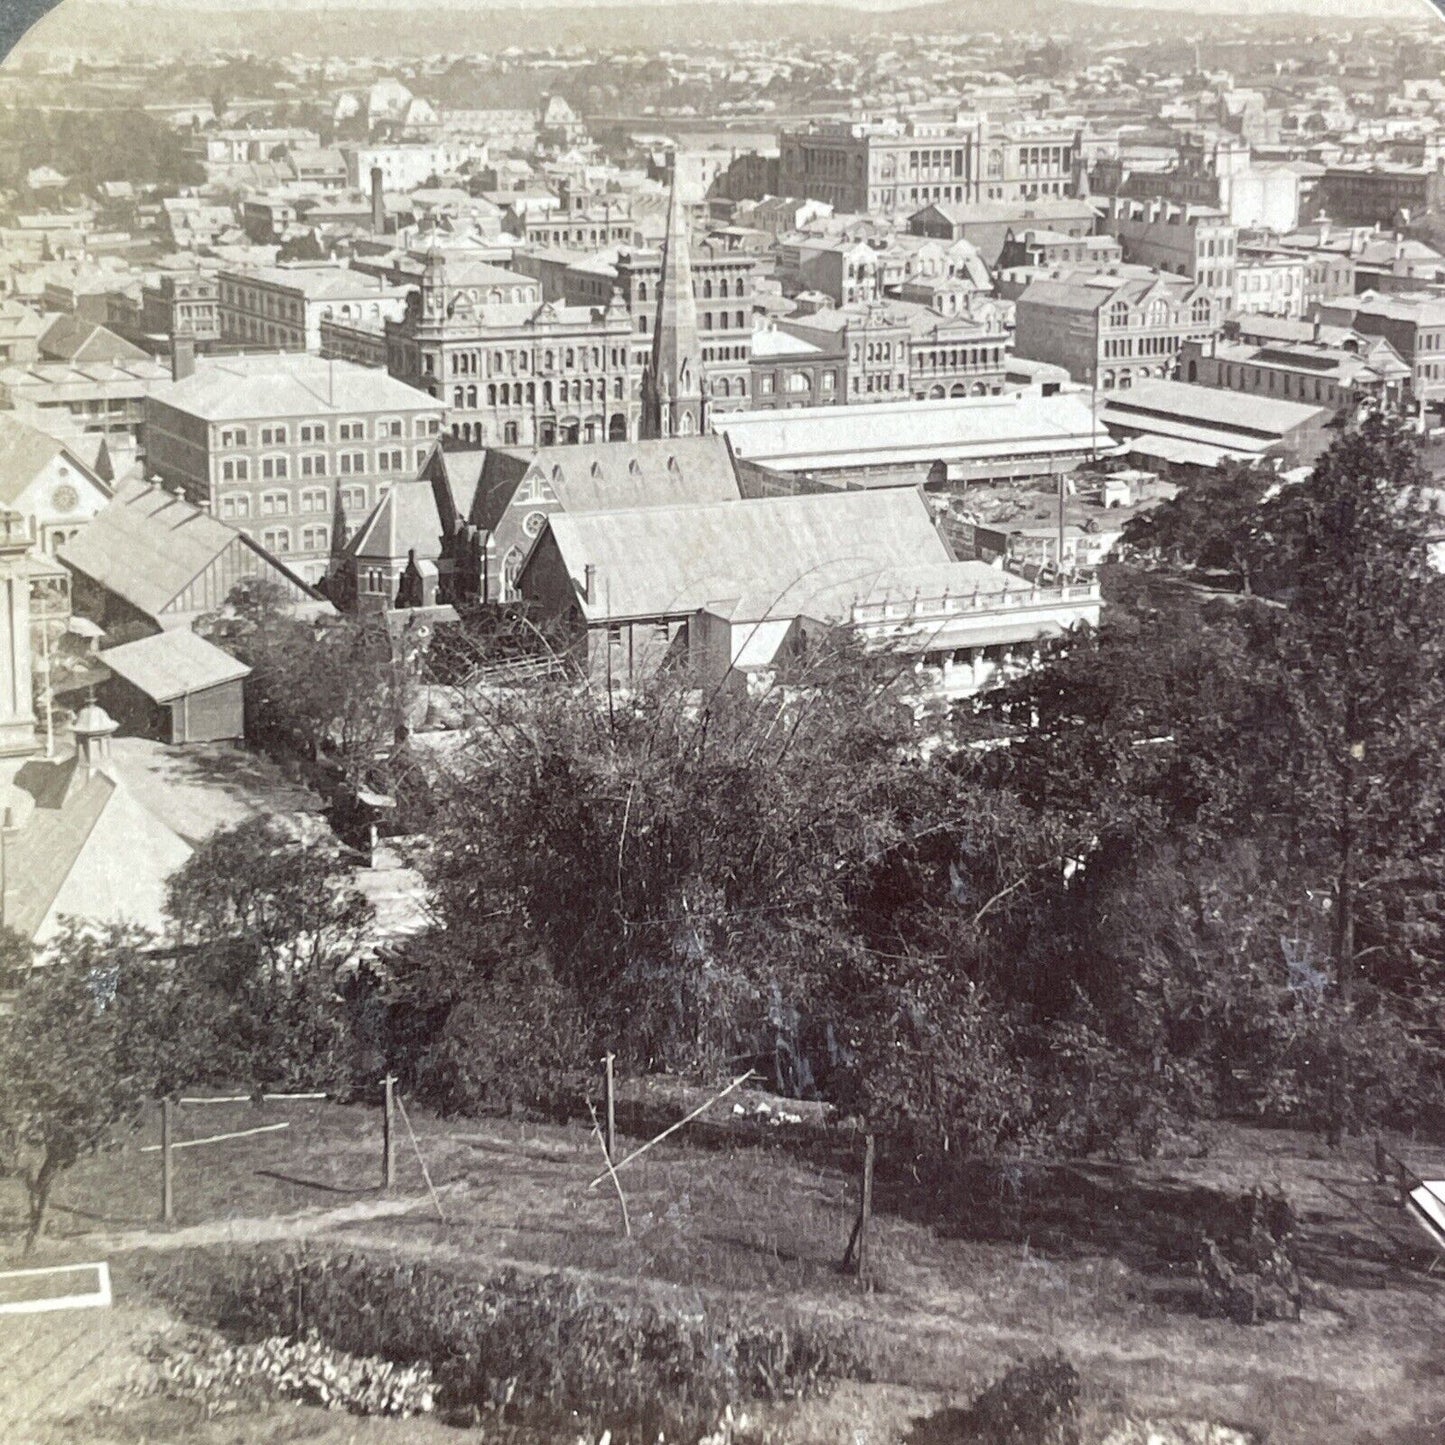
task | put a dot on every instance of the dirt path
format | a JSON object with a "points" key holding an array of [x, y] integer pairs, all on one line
{"points": [[256, 1229]]}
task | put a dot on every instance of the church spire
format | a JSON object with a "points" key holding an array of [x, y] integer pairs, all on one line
{"points": [[673, 394]]}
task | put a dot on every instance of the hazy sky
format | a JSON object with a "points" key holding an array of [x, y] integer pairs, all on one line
{"points": [[1362, 9]]}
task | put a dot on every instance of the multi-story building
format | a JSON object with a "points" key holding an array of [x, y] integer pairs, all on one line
{"points": [[185, 303], [1199, 242], [240, 145], [402, 167], [286, 446], [1328, 255], [281, 307], [499, 130], [1306, 371], [722, 282], [1217, 171], [875, 341], [1038, 246], [1112, 331], [74, 399], [1413, 325], [602, 221], [989, 224], [787, 371], [894, 167], [964, 354], [1270, 283], [1379, 195], [850, 271], [517, 373]]}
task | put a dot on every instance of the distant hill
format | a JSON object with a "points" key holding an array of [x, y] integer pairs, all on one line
{"points": [[383, 29]]}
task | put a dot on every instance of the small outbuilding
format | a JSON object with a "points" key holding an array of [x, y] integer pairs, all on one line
{"points": [[176, 687]]}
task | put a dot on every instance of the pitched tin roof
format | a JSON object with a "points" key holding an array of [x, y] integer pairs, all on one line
{"points": [[172, 664], [807, 554]]}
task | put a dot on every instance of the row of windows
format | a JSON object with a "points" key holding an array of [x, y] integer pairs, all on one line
{"points": [[278, 540], [238, 507], [238, 469], [1159, 313], [1122, 346], [518, 393], [262, 302], [347, 431], [955, 357]]}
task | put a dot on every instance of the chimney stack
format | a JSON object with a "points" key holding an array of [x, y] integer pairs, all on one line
{"points": [[378, 203], [183, 356], [589, 582]]}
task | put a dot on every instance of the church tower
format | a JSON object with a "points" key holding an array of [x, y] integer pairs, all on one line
{"points": [[674, 401]]}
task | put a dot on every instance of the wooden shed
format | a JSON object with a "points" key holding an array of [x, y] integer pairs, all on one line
{"points": [[176, 687]]}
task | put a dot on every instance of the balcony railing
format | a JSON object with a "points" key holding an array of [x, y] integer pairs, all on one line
{"points": [[924, 609]]}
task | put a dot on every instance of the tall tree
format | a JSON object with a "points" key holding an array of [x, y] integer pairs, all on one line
{"points": [[1212, 523], [1360, 654], [272, 922], [82, 1049]]}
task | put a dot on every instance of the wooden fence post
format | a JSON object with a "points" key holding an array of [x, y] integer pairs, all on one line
{"points": [[168, 1201], [865, 1211], [610, 1117], [388, 1142]]}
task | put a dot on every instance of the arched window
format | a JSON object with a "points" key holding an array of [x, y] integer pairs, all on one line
{"points": [[471, 396]]}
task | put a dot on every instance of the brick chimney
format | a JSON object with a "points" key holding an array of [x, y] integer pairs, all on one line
{"points": [[378, 203], [183, 356]]}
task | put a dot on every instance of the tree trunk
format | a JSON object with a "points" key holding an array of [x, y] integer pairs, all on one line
{"points": [[1345, 921], [38, 1190]]}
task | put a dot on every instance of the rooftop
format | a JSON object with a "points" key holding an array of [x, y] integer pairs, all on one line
{"points": [[786, 555], [173, 664], [287, 384], [317, 283], [1022, 423], [148, 546], [1211, 407]]}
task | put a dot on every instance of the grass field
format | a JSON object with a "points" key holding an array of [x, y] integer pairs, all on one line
{"points": [[1091, 1260]]}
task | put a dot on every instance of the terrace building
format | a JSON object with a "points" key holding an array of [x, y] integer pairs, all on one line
{"points": [[75, 399]]}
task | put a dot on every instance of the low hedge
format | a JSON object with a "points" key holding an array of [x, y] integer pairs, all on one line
{"points": [[537, 1349]]}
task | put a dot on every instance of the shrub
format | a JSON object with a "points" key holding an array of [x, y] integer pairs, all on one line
{"points": [[1035, 1403], [304, 1370], [513, 1039], [535, 1349], [1247, 1272]]}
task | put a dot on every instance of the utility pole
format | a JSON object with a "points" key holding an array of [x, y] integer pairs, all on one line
{"points": [[388, 1144]]}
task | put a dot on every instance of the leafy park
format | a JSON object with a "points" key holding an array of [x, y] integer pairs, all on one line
{"points": [[1122, 969]]}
